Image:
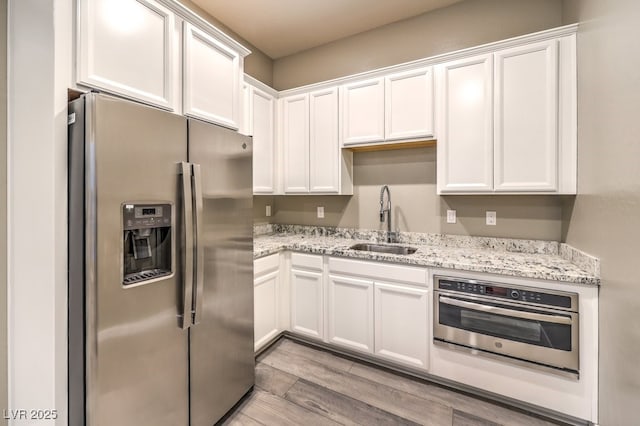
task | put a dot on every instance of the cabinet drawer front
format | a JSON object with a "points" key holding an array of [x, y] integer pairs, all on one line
{"points": [[306, 261], [266, 264], [382, 271]]}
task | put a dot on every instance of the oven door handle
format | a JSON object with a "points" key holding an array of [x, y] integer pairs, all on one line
{"points": [[556, 319]]}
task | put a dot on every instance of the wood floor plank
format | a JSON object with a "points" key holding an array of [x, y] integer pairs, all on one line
{"points": [[481, 408], [392, 400], [273, 380], [240, 419], [339, 407], [461, 418], [317, 355], [273, 410]]}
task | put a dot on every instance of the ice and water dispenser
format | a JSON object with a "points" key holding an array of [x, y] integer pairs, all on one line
{"points": [[146, 237]]}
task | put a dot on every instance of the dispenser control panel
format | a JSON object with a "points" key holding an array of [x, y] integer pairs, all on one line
{"points": [[137, 216]]}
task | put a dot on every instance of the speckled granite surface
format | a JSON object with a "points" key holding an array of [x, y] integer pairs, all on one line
{"points": [[521, 258]]}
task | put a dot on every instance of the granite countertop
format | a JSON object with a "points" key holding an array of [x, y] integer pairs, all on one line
{"points": [[521, 258]]}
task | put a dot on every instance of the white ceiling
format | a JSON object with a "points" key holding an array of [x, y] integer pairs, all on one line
{"points": [[283, 27]]}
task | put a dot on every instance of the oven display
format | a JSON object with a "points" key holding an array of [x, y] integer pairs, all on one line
{"points": [[495, 291]]}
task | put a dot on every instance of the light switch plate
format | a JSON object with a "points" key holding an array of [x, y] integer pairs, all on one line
{"points": [[320, 212], [451, 216], [491, 218], [267, 211]]}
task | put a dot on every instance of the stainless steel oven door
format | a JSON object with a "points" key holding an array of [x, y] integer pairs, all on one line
{"points": [[540, 335]]}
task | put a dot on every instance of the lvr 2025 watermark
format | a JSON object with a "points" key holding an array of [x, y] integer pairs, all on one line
{"points": [[24, 414]]}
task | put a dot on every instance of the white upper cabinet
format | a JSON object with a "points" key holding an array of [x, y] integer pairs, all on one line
{"points": [[363, 111], [260, 118], [526, 119], [324, 146], [507, 120], [126, 47], [465, 130], [313, 161], [295, 142], [161, 53], [393, 107], [212, 79], [409, 105]]}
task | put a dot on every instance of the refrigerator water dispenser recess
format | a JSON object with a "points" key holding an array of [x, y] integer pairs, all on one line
{"points": [[146, 240]]}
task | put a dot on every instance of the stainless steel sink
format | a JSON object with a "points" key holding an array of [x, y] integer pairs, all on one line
{"points": [[383, 248]]}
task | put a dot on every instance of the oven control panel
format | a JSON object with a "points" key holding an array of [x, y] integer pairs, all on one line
{"points": [[523, 294]]}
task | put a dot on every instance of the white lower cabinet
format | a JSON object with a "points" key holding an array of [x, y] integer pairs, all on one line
{"points": [[307, 304], [266, 294], [401, 324], [379, 308], [350, 312]]}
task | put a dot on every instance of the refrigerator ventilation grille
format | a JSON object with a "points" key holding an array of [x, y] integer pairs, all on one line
{"points": [[144, 275]]}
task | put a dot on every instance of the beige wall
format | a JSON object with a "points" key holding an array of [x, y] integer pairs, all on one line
{"points": [[411, 176], [257, 64], [605, 219], [411, 173], [3, 209], [461, 25]]}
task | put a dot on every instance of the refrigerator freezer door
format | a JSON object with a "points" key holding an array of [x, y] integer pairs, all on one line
{"points": [[137, 354], [222, 358]]}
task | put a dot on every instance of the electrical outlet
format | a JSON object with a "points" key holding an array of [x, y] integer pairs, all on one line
{"points": [[267, 210], [451, 216], [491, 218], [320, 212]]}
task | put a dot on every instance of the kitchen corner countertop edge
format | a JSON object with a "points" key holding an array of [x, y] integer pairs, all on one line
{"points": [[524, 265]]}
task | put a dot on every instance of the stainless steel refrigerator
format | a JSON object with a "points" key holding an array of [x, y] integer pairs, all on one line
{"points": [[160, 266]]}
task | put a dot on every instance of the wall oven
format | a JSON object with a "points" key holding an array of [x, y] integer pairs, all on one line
{"points": [[518, 324]]}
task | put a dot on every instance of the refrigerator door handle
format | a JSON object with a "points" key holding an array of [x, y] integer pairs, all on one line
{"points": [[187, 246], [199, 237]]}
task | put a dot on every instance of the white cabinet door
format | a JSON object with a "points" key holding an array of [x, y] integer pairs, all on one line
{"points": [[264, 153], [306, 303], [465, 128], [362, 111], [265, 308], [401, 321], [211, 81], [246, 128], [324, 146], [126, 47], [409, 104], [295, 143], [526, 118], [350, 313]]}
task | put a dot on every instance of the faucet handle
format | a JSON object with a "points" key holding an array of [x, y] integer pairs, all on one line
{"points": [[381, 216]]}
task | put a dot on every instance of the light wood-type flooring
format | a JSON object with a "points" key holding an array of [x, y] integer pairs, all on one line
{"points": [[297, 385]]}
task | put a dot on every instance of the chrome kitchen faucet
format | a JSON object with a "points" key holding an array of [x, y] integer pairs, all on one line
{"points": [[391, 236]]}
